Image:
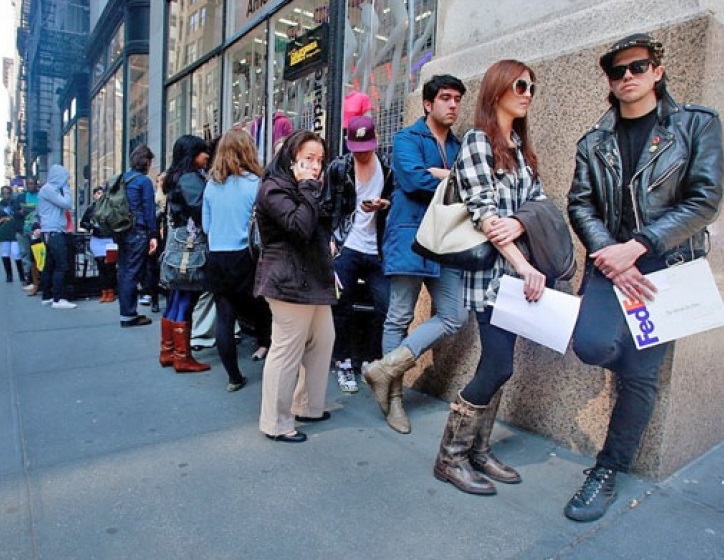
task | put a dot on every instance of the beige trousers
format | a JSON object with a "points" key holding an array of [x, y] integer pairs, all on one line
{"points": [[296, 370]]}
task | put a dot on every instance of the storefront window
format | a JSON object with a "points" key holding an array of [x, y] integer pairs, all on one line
{"points": [[242, 13], [107, 129], [82, 162], [138, 104], [246, 65], [205, 97], [300, 85], [178, 114], [99, 66], [194, 29], [115, 49], [386, 44], [69, 159]]}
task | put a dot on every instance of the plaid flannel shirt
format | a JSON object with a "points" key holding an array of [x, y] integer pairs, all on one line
{"points": [[488, 192]]}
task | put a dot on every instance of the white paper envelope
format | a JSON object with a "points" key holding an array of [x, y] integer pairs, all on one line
{"points": [[549, 321], [687, 302]]}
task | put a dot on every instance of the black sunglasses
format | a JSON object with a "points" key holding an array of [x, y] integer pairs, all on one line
{"points": [[521, 87], [616, 73]]}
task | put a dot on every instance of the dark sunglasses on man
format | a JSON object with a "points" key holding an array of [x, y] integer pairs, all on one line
{"points": [[616, 73], [521, 87]]}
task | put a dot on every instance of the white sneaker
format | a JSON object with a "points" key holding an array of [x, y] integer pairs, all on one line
{"points": [[345, 379], [46, 301], [144, 300], [63, 304], [28, 287]]}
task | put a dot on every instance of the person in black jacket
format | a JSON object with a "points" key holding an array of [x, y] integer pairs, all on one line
{"points": [[296, 276], [184, 186], [648, 181], [361, 184], [106, 270]]}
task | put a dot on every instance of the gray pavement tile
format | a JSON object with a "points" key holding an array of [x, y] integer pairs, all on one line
{"points": [[702, 481], [15, 519], [663, 526], [73, 413]]}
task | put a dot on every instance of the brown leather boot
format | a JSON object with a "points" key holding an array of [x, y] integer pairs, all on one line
{"points": [[481, 455], [183, 361], [104, 297], [397, 418], [380, 374], [111, 297], [166, 356], [453, 463]]}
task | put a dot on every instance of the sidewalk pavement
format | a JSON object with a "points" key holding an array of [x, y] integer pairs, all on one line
{"points": [[105, 455]]}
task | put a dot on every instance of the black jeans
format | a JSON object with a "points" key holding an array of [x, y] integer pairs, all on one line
{"points": [[602, 338], [52, 281], [351, 266], [231, 274], [132, 255], [495, 366]]}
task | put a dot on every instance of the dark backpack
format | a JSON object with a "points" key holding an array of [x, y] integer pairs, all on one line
{"points": [[112, 215]]}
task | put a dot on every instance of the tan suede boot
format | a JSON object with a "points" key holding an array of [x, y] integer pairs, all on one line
{"points": [[481, 455], [453, 463], [397, 418], [380, 373]]}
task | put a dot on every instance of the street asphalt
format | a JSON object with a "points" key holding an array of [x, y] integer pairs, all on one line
{"points": [[105, 455]]}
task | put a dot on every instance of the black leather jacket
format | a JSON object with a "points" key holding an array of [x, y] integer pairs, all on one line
{"points": [[677, 185]]}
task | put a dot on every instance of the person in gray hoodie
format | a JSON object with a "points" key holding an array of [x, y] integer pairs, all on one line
{"points": [[53, 200]]}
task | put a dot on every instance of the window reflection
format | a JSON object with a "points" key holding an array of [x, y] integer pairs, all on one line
{"points": [[194, 29], [247, 69], [138, 101]]}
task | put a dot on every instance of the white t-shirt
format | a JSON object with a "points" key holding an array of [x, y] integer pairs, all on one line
{"points": [[363, 235]]}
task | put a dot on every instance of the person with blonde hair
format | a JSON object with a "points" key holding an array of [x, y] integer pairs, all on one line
{"points": [[228, 202]]}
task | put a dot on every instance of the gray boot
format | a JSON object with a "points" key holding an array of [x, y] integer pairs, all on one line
{"points": [[380, 374], [453, 460], [481, 455], [396, 417]]}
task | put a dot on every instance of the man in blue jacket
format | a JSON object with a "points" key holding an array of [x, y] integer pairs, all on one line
{"points": [[422, 156], [137, 243]]}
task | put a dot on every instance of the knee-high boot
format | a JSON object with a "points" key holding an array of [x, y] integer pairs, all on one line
{"points": [[453, 460], [183, 361], [8, 269], [397, 418], [380, 374], [482, 456], [166, 357]]}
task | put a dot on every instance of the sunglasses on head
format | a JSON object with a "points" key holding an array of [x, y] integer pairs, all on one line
{"points": [[616, 73], [521, 87]]}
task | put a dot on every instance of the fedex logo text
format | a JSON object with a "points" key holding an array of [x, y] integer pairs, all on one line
{"points": [[637, 308]]}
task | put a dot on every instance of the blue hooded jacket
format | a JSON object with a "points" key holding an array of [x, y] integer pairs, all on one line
{"points": [[415, 150]]}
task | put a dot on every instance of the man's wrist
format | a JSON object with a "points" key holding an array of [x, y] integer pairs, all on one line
{"points": [[642, 243]]}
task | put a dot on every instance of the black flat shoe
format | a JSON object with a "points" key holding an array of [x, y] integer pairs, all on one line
{"points": [[137, 321], [296, 437], [322, 418]]}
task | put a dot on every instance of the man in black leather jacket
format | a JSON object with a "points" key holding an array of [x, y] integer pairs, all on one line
{"points": [[648, 181]]}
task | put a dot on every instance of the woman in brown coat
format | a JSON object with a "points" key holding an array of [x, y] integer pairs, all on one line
{"points": [[296, 276]]}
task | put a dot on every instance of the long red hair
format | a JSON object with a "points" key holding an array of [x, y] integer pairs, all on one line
{"points": [[497, 81]]}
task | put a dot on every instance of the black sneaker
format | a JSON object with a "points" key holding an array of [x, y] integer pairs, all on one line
{"points": [[137, 321], [595, 496]]}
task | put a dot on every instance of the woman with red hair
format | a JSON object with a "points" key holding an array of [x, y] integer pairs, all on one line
{"points": [[495, 173]]}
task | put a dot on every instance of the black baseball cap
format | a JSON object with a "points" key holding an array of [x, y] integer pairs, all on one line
{"points": [[656, 49]]}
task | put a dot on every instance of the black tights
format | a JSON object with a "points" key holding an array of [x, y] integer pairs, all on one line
{"points": [[496, 361]]}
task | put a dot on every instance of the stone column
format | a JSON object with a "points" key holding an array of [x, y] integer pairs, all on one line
{"points": [[557, 396]]}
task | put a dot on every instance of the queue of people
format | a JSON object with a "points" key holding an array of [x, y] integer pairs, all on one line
{"points": [[633, 203]]}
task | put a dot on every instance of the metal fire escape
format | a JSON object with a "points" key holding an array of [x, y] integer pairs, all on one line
{"points": [[51, 45]]}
